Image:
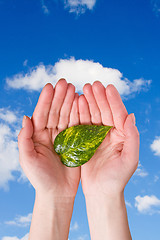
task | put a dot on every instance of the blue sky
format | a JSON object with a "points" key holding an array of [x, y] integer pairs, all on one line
{"points": [[111, 41]]}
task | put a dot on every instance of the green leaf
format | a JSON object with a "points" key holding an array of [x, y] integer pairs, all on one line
{"points": [[76, 145]]}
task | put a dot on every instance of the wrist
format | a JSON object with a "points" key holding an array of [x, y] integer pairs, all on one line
{"points": [[107, 201], [49, 200], [51, 217], [105, 214], [112, 193]]}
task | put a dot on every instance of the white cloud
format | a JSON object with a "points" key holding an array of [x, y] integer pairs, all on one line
{"points": [[77, 72], [156, 178], [74, 227], [7, 115], [44, 7], [9, 164], [25, 237], [20, 221], [128, 204], [141, 172], [8, 155], [79, 6], [25, 62], [156, 7], [147, 204], [84, 237], [16, 238], [155, 146], [139, 84]]}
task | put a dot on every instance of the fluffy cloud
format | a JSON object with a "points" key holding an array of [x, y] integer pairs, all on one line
{"points": [[8, 155], [79, 6], [16, 238], [8, 147], [155, 146], [44, 7], [128, 204], [141, 172], [7, 115], [156, 6], [84, 237], [20, 221], [74, 227], [25, 62], [147, 204], [77, 72], [156, 178]]}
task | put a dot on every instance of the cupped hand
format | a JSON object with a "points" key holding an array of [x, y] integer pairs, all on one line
{"points": [[116, 159], [57, 109]]}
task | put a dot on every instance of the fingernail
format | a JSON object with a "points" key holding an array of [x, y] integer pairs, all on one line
{"points": [[133, 118], [23, 122]]}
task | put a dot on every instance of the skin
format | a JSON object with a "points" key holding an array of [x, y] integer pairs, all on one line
{"points": [[106, 174], [103, 177], [55, 184]]}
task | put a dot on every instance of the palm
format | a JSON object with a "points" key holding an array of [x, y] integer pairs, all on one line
{"points": [[108, 165], [46, 171], [105, 165]]}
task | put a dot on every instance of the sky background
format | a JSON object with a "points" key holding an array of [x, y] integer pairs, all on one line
{"points": [[114, 42]]}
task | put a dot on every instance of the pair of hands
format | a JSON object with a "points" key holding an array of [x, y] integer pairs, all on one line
{"points": [[114, 162]]}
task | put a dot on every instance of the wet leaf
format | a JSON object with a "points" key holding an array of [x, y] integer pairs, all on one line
{"points": [[76, 145]]}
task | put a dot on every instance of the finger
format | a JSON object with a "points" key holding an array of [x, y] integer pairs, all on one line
{"points": [[66, 108], [130, 152], [41, 112], [57, 102], [74, 115], [84, 113], [118, 109], [25, 142], [102, 102], [93, 107]]}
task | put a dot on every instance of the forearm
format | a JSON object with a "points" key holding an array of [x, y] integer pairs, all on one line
{"points": [[51, 218], [107, 217]]}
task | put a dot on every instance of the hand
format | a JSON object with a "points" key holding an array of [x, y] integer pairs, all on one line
{"points": [[56, 110], [116, 159]]}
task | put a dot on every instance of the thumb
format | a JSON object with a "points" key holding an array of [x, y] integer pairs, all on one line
{"points": [[25, 142], [130, 153]]}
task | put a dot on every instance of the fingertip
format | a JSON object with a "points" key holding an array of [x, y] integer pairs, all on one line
{"points": [[61, 88], [82, 99], [76, 95], [131, 119], [97, 87], [27, 127], [130, 127], [131, 143], [48, 85], [25, 141], [48, 91], [62, 81], [76, 99], [97, 83], [71, 86], [110, 89], [24, 121], [86, 88]]}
